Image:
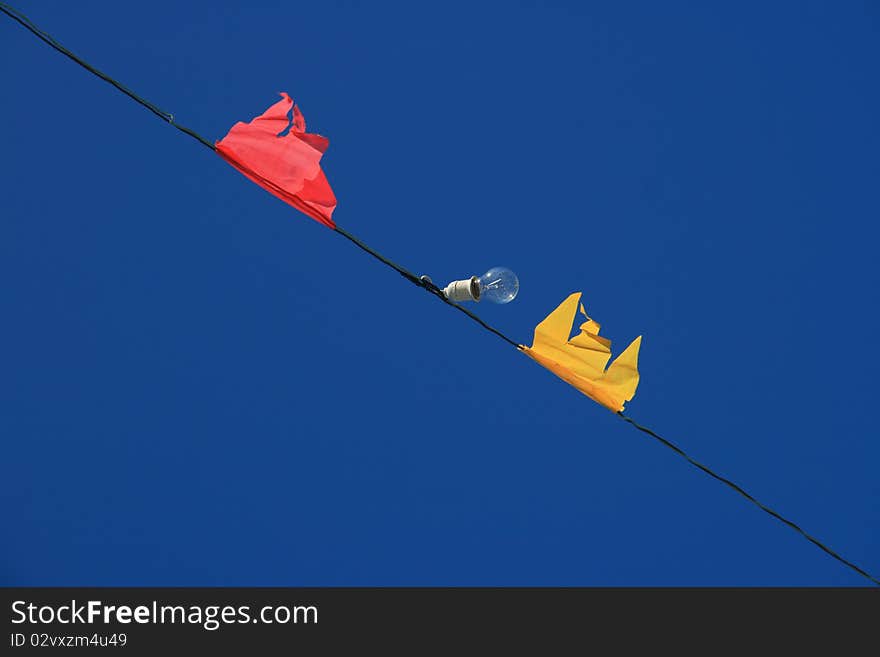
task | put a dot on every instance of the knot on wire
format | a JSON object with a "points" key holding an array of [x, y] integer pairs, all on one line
{"points": [[426, 282]]}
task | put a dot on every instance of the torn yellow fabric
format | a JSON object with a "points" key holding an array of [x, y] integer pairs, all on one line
{"points": [[581, 360]]}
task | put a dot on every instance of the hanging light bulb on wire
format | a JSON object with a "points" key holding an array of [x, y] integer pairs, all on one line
{"points": [[498, 285]]}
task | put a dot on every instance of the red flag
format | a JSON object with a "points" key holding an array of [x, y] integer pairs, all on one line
{"points": [[287, 166]]}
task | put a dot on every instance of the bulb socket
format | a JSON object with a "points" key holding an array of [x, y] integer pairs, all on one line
{"points": [[464, 290]]}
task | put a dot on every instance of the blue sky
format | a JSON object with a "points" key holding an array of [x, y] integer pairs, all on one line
{"points": [[203, 387]]}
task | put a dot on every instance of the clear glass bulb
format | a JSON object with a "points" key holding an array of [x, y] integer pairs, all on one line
{"points": [[498, 285]]}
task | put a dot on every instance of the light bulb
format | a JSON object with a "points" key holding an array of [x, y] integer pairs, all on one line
{"points": [[498, 285]]}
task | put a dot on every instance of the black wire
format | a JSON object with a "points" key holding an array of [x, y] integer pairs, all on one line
{"points": [[17, 16], [408, 275], [417, 280], [751, 499]]}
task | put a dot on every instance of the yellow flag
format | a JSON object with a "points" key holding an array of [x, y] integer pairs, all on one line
{"points": [[581, 360]]}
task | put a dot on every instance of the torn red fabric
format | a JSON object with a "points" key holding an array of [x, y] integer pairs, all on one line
{"points": [[288, 166]]}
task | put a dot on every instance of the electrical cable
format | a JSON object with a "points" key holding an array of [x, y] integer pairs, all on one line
{"points": [[738, 489]]}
